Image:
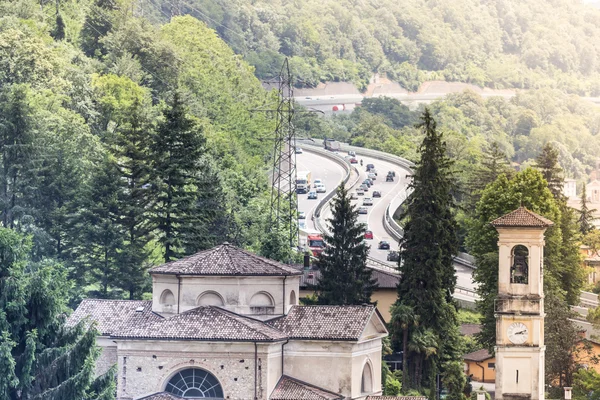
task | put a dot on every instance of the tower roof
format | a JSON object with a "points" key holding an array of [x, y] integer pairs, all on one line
{"points": [[225, 260], [522, 217]]}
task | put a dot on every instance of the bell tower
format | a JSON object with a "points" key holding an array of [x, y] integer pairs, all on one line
{"points": [[519, 306]]}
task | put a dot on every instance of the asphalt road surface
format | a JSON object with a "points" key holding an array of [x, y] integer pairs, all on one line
{"points": [[330, 172]]}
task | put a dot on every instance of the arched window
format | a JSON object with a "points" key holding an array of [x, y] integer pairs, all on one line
{"points": [[519, 269], [210, 298], [167, 298], [292, 298], [195, 383], [366, 385], [262, 303]]}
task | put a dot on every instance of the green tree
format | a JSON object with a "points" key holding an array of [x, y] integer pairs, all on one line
{"points": [[403, 318], [175, 153], [586, 216], [58, 33], [129, 145], [40, 357], [345, 277], [426, 251], [547, 162], [494, 163]]}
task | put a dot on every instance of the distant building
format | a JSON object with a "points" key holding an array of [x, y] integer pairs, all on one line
{"points": [[593, 191], [570, 188], [480, 365]]}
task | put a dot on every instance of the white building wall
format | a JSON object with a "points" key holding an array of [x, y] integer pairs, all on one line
{"points": [[334, 366], [237, 293], [145, 367]]}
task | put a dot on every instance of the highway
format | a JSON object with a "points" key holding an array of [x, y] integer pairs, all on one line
{"points": [[374, 218], [330, 172]]}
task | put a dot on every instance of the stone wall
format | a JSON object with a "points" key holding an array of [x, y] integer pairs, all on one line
{"points": [[145, 367], [108, 355]]}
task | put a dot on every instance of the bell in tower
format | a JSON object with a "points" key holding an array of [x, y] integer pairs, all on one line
{"points": [[519, 306]]}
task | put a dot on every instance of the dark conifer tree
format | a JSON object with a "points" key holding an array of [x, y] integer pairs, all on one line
{"points": [[494, 164], [98, 23], [41, 358], [586, 216], [130, 146], [98, 234], [426, 251], [547, 163], [176, 152], [345, 277], [58, 33]]}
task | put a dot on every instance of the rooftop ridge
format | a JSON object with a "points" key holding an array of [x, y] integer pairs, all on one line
{"points": [[522, 217]]}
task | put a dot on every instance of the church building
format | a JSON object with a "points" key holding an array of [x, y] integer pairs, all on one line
{"points": [[226, 324]]}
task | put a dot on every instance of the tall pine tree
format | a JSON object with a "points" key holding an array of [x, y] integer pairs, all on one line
{"points": [[547, 163], [41, 358], [586, 216], [345, 277], [176, 154], [130, 147], [426, 251]]}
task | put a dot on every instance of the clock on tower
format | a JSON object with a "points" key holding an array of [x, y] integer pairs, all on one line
{"points": [[519, 306]]}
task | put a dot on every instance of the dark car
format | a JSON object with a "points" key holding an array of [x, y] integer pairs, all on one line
{"points": [[376, 193], [389, 178], [367, 182], [384, 245], [392, 173], [393, 256], [370, 167]]}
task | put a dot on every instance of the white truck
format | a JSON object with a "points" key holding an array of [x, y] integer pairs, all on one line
{"points": [[302, 181]]}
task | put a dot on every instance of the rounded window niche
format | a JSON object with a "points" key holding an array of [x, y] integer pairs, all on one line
{"points": [[210, 298], [366, 384], [262, 303], [519, 268], [167, 298], [292, 298], [194, 383]]}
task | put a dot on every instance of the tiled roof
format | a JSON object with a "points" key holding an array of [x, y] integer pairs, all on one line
{"points": [[470, 329], [325, 322], [204, 323], [225, 260], [292, 389], [522, 217], [479, 355], [114, 315], [160, 396], [396, 398], [385, 280]]}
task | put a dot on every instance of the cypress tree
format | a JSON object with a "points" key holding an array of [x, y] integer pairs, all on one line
{"points": [[58, 33], [40, 357], [426, 251], [345, 277], [586, 216], [176, 152]]}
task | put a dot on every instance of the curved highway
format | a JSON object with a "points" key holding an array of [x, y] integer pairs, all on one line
{"points": [[330, 172], [375, 216]]}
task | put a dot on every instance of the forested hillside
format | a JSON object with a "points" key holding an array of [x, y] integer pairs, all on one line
{"points": [[124, 144], [498, 43]]}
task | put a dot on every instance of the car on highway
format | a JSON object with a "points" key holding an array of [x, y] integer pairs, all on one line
{"points": [[308, 98], [363, 210], [376, 193], [353, 161], [313, 195], [372, 175], [373, 171], [368, 235], [321, 189], [389, 178], [301, 215], [299, 150], [352, 153], [367, 182], [392, 173], [364, 187], [369, 166], [318, 182], [367, 201], [384, 245], [360, 192], [393, 255]]}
